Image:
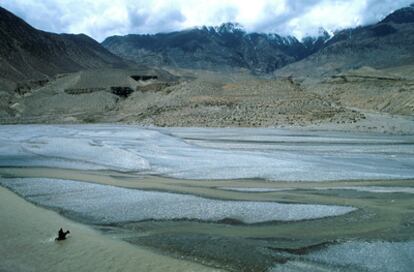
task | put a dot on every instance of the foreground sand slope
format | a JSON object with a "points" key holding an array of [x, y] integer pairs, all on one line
{"points": [[27, 244]]}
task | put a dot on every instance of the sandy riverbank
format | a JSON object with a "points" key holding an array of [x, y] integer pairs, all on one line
{"points": [[380, 218], [27, 244]]}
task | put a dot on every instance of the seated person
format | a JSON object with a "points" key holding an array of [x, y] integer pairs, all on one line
{"points": [[62, 235]]}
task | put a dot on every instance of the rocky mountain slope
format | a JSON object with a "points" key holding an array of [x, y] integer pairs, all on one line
{"points": [[227, 46], [389, 43], [28, 53]]}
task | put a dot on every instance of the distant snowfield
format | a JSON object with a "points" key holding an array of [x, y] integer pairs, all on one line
{"points": [[198, 153]]}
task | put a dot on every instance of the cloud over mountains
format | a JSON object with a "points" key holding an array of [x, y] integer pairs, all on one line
{"points": [[102, 18]]}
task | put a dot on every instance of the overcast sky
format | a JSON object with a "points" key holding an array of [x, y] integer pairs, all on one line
{"points": [[102, 18]]}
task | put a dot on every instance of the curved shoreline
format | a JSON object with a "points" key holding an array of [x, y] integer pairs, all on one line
{"points": [[27, 235]]}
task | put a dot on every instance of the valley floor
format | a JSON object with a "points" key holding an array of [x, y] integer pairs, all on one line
{"points": [[366, 100], [189, 199]]}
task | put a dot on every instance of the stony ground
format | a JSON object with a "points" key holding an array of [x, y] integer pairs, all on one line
{"points": [[212, 99]]}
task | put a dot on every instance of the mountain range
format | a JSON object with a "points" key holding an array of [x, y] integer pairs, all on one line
{"points": [[26, 52], [389, 42], [226, 46]]}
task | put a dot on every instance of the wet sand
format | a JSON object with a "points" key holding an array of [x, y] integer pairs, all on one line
{"points": [[27, 244]]}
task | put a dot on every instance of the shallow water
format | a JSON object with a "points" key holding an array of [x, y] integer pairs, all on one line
{"points": [[355, 256], [368, 256], [254, 190], [100, 204], [375, 189], [195, 153]]}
